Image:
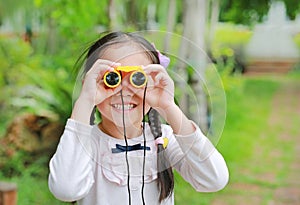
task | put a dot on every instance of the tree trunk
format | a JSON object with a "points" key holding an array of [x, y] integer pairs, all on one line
{"points": [[151, 12], [193, 52], [131, 13], [51, 41], [181, 67], [113, 16], [214, 18], [170, 24]]}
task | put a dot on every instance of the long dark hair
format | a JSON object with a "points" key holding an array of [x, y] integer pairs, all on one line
{"points": [[165, 173]]}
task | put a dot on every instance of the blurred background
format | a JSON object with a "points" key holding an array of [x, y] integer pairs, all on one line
{"points": [[252, 46]]}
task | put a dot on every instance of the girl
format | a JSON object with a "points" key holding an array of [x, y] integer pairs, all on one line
{"points": [[123, 159]]}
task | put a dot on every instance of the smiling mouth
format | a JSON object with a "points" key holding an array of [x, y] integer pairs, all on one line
{"points": [[126, 106]]}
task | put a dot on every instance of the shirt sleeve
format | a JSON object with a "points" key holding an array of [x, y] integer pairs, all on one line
{"points": [[198, 161], [71, 175]]}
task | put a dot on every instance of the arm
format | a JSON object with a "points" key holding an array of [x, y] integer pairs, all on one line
{"points": [[71, 175], [180, 124], [160, 96], [199, 162], [191, 153], [202, 165], [93, 91]]}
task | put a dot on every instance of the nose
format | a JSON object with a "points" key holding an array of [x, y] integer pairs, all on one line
{"points": [[125, 80], [125, 83], [126, 93]]}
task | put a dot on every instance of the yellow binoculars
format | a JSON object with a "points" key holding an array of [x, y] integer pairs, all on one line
{"points": [[138, 77]]}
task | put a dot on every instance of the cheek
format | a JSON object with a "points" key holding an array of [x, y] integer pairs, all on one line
{"points": [[104, 108]]}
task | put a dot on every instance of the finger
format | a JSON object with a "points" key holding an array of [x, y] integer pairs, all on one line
{"points": [[100, 81], [102, 66], [150, 82], [154, 68], [108, 62], [161, 79]]}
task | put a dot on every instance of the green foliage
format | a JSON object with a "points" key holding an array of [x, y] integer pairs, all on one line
{"points": [[292, 8], [15, 166], [231, 35], [14, 54], [226, 51], [69, 25], [50, 93], [30, 84], [162, 8], [297, 40], [249, 12], [77, 19], [24, 164], [243, 12], [7, 8]]}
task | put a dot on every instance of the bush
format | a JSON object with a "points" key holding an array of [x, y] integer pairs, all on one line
{"points": [[227, 49], [30, 83], [33, 83]]}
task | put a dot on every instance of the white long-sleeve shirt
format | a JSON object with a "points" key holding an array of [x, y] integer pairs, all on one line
{"points": [[84, 169]]}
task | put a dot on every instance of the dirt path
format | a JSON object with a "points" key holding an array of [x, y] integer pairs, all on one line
{"points": [[287, 102], [281, 185]]}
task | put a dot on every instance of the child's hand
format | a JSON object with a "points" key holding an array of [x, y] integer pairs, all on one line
{"points": [[93, 88], [160, 87]]}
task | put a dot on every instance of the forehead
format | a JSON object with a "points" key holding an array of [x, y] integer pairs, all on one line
{"points": [[126, 54]]}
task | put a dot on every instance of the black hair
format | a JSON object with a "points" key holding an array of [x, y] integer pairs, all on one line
{"points": [[94, 52], [165, 174]]}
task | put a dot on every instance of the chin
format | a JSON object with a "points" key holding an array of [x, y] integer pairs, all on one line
{"points": [[116, 117], [118, 121]]}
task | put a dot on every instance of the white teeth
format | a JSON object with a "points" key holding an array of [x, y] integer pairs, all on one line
{"points": [[120, 107]]}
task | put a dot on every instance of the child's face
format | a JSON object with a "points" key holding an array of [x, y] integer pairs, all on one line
{"points": [[111, 109]]}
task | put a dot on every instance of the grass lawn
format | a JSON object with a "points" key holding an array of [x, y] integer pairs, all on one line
{"points": [[248, 115], [33, 191], [253, 147]]}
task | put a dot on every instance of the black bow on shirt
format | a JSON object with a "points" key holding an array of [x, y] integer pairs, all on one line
{"points": [[119, 148]]}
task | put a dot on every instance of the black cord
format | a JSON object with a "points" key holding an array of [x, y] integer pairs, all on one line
{"points": [[144, 136], [126, 151]]}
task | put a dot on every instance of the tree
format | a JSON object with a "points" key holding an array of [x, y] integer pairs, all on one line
{"points": [[249, 12], [212, 21], [113, 11], [192, 50], [18, 13], [170, 23]]}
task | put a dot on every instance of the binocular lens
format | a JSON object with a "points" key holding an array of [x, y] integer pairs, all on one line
{"points": [[138, 79], [112, 79]]}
